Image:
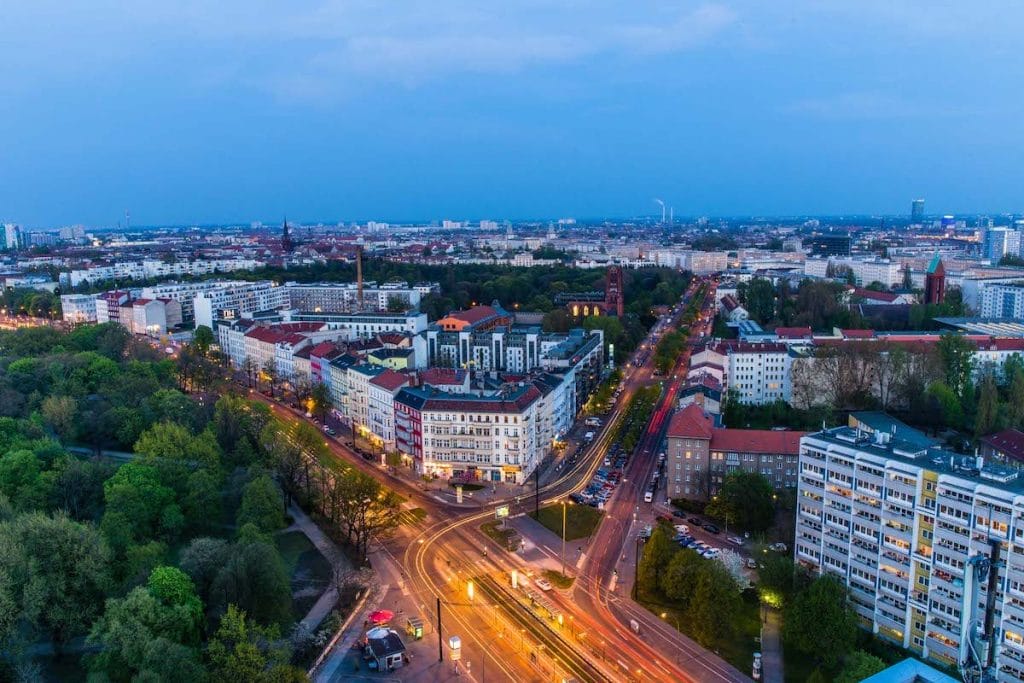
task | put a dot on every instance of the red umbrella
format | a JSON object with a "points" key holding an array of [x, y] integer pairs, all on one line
{"points": [[381, 616]]}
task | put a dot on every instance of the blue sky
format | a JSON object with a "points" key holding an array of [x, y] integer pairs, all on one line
{"points": [[203, 112]]}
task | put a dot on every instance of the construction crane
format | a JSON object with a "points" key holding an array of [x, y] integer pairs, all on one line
{"points": [[978, 644]]}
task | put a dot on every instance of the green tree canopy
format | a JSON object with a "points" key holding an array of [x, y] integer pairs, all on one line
{"points": [[262, 505], [745, 501], [820, 623]]}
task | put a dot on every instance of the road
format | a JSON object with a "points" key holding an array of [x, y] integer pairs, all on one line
{"points": [[581, 634]]}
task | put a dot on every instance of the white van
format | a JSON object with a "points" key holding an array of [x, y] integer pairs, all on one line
{"points": [[592, 422], [648, 496]]}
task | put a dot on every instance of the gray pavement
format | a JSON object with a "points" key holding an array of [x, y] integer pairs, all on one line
{"points": [[331, 552], [771, 648]]}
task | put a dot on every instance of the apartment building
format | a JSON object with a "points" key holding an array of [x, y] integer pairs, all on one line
{"points": [[903, 523], [700, 455], [755, 373], [78, 308], [344, 297], [184, 293], [364, 325], [237, 299], [470, 436], [154, 269], [381, 406], [108, 306], [1002, 301], [865, 270]]}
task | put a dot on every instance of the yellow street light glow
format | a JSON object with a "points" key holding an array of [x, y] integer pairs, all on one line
{"points": [[469, 590]]}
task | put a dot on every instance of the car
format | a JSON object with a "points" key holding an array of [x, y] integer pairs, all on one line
{"points": [[711, 528], [663, 518], [543, 584], [735, 540], [679, 513], [694, 520], [710, 553], [779, 547], [751, 564], [331, 431]]}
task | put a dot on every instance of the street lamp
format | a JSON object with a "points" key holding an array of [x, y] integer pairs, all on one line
{"points": [[565, 505]]}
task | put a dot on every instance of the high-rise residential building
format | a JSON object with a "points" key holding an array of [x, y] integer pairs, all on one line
{"points": [[14, 238], [917, 211], [999, 242], [904, 524]]}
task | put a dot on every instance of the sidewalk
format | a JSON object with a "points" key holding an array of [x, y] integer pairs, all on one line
{"points": [[331, 552], [771, 648]]}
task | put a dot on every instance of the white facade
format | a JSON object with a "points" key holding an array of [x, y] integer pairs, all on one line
{"points": [[78, 308], [334, 297], [152, 269], [1002, 301], [237, 299]]}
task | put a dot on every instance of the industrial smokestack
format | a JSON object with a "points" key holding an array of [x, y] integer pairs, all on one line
{"points": [[359, 276]]}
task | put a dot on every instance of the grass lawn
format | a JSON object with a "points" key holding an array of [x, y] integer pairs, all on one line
{"points": [[580, 520], [496, 533], [739, 649], [309, 571], [558, 579]]}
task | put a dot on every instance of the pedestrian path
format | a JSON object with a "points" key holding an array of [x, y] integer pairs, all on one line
{"points": [[771, 648], [331, 552]]}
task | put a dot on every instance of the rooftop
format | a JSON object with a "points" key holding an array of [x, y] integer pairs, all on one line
{"points": [[1009, 442]]}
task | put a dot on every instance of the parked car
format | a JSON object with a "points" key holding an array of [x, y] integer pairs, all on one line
{"points": [[751, 564], [779, 547], [679, 513], [711, 528], [543, 584], [694, 520], [735, 540]]}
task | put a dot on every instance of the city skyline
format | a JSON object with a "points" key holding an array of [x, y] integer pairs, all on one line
{"points": [[189, 114]]}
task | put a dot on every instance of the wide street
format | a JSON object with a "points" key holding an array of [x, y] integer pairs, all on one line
{"points": [[583, 633]]}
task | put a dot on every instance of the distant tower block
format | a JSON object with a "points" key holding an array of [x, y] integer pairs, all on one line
{"points": [[917, 211], [935, 281]]}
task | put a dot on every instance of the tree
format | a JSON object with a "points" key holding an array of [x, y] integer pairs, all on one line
{"points": [[253, 577], [243, 651], [680, 576], [362, 508], [820, 623], [775, 579], [136, 492], [320, 394], [957, 355], [169, 442], [987, 412], [22, 481], [262, 505], [714, 604], [148, 626], [203, 339], [201, 505], [744, 500], [58, 571], [61, 413], [859, 665], [656, 555], [202, 560], [78, 487], [760, 299], [950, 408]]}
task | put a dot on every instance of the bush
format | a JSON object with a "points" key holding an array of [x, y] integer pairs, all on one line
{"points": [[687, 505]]}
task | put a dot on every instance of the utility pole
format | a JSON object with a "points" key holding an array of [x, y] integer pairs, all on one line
{"points": [[440, 647], [536, 496], [564, 508]]}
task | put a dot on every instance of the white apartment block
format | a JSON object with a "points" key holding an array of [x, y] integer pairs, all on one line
{"points": [[78, 308], [153, 269], [182, 292], [334, 297], [237, 300], [757, 373], [902, 524], [865, 270], [380, 415], [363, 325], [1002, 301], [152, 317]]}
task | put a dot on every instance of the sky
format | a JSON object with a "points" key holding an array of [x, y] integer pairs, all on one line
{"points": [[193, 112]]}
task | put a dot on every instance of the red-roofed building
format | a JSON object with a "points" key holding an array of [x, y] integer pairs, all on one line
{"points": [[1006, 447], [794, 333], [477, 319], [700, 455], [383, 388], [454, 380]]}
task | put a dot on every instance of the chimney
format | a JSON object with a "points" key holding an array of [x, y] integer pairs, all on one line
{"points": [[359, 277]]}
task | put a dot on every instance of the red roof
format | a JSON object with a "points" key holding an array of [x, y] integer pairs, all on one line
{"points": [[1009, 442], [691, 423], [887, 297], [324, 350], [730, 303], [442, 376], [390, 380], [756, 441], [141, 302], [475, 314], [793, 332], [857, 334]]}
